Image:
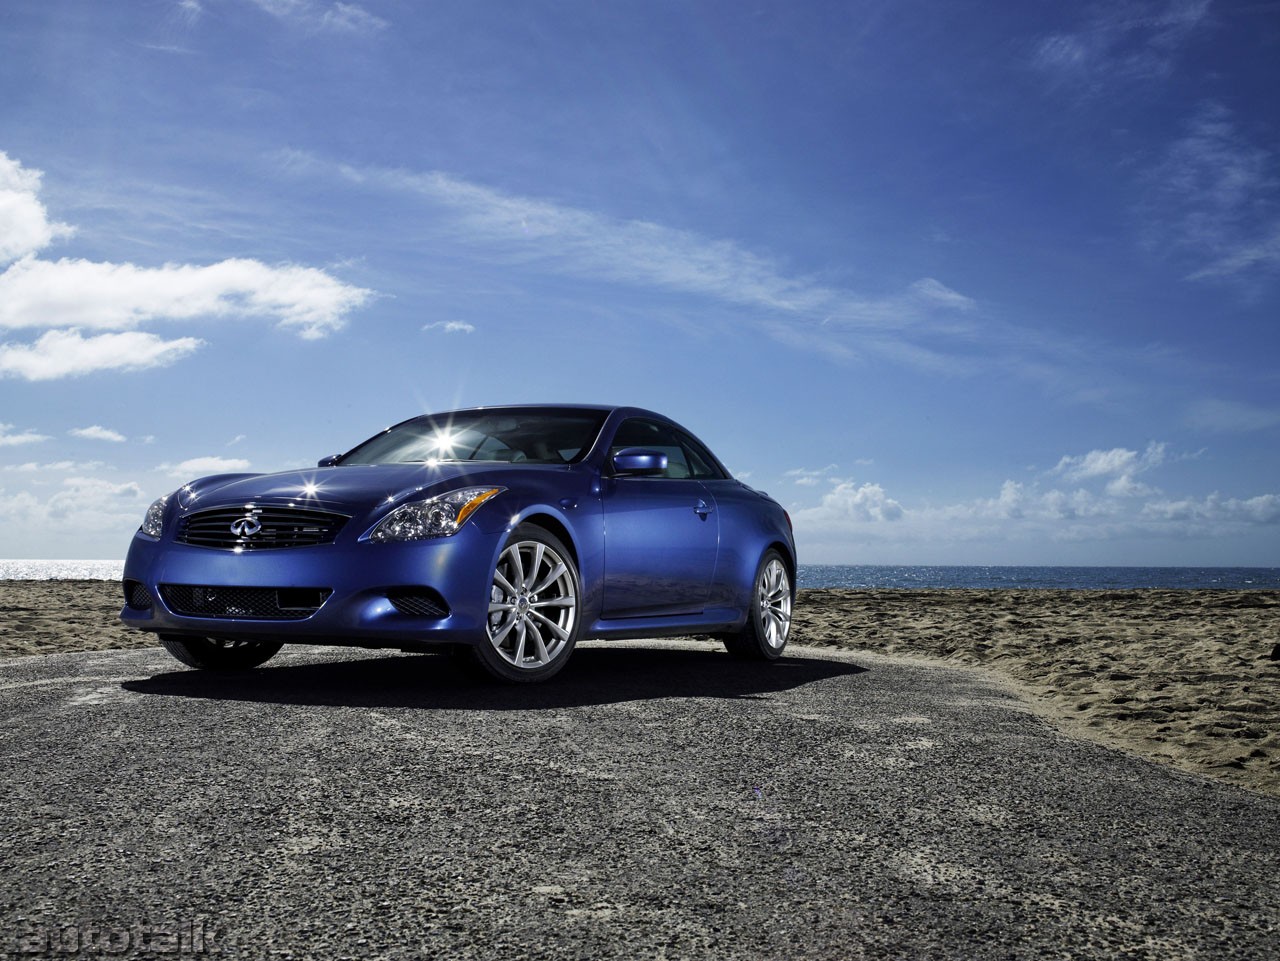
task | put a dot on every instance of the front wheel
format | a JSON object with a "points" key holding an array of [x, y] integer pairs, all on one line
{"points": [[533, 620], [219, 654], [764, 636]]}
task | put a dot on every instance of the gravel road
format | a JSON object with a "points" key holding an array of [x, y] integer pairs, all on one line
{"points": [[656, 800]]}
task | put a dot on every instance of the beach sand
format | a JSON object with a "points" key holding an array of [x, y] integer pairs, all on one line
{"points": [[1183, 677]]}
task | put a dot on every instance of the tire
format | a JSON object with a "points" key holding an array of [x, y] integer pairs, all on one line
{"points": [[534, 608], [764, 636], [219, 654]]}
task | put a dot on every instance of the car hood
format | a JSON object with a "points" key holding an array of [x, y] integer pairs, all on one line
{"points": [[350, 490]]}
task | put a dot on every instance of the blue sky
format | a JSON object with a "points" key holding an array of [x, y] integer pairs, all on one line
{"points": [[968, 283]]}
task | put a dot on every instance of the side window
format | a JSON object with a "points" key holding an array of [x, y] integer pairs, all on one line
{"points": [[702, 465], [653, 436]]}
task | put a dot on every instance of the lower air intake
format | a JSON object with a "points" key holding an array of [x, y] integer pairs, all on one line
{"points": [[249, 603], [137, 596], [418, 602]]}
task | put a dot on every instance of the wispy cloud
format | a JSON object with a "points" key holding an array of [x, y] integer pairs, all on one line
{"points": [[98, 432], [582, 242], [336, 17], [1215, 193], [927, 324], [53, 467], [72, 295], [451, 327], [806, 477], [1121, 43], [10, 439], [1224, 416], [351, 18]]}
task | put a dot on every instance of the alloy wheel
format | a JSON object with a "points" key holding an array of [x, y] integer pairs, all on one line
{"points": [[533, 605], [773, 601]]}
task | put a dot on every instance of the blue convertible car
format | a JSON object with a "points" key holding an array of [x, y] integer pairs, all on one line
{"points": [[510, 532]]}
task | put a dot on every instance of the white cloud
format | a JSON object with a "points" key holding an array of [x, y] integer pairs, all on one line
{"points": [[1100, 501], [70, 295], [204, 466], [24, 223], [850, 504], [80, 293], [451, 327], [98, 432], [1097, 463], [80, 505], [1215, 510], [862, 523], [1118, 465], [29, 436], [65, 353]]}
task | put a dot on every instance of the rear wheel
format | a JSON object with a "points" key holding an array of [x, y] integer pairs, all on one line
{"points": [[534, 603], [764, 636], [219, 654]]}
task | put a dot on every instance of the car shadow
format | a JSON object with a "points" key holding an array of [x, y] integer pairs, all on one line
{"points": [[595, 675]]}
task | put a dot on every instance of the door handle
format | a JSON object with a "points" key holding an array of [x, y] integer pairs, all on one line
{"points": [[703, 508]]}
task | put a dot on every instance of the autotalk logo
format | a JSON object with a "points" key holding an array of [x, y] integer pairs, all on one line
{"points": [[199, 937], [246, 526]]}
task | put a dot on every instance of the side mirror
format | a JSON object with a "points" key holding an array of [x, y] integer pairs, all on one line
{"points": [[331, 461], [636, 460]]}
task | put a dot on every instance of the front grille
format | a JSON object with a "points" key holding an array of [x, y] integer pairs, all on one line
{"points": [[253, 603], [268, 528], [137, 596], [418, 602]]}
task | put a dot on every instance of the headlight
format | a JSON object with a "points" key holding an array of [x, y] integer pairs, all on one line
{"points": [[437, 516], [153, 523]]}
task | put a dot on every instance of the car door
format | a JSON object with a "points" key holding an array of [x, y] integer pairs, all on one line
{"points": [[662, 531]]}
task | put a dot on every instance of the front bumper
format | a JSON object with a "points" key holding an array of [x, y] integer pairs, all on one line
{"points": [[364, 581]]}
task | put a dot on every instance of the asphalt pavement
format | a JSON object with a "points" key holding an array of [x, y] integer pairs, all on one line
{"points": [[656, 800]]}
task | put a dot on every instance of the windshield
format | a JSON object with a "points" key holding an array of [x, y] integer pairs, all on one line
{"points": [[525, 436]]}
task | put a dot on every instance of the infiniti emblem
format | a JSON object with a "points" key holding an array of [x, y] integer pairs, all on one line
{"points": [[246, 526]]}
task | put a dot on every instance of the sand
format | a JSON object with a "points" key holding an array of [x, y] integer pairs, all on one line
{"points": [[1188, 678]]}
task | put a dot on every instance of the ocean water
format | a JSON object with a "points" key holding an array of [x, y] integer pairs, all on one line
{"points": [[860, 576], [11, 570], [1058, 578]]}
